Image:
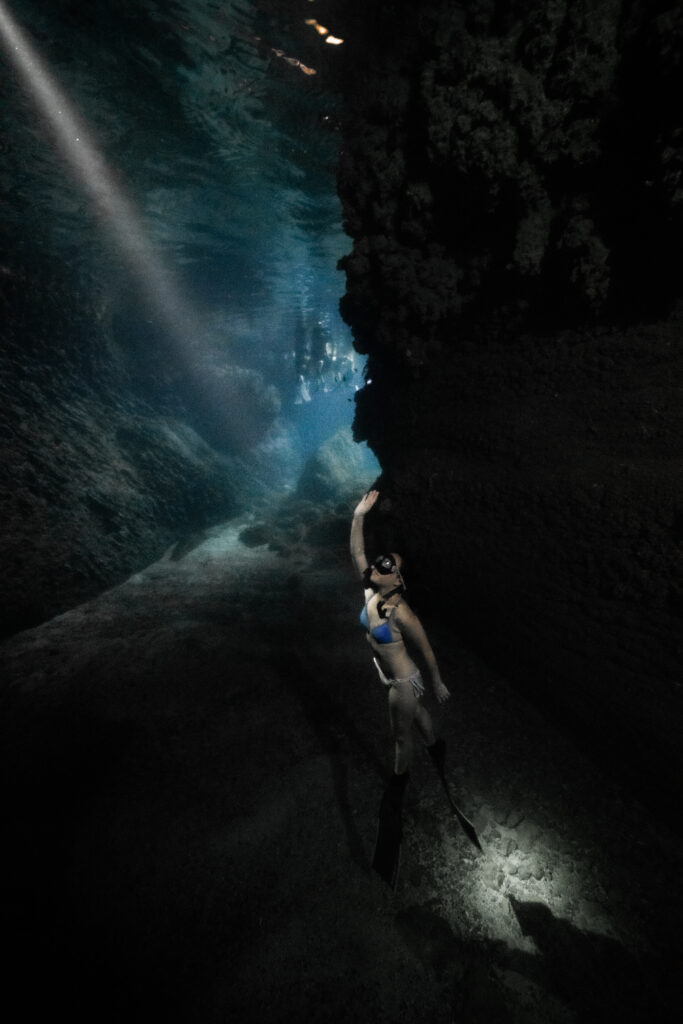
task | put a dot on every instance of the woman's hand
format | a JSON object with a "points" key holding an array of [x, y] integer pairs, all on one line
{"points": [[366, 503], [441, 692]]}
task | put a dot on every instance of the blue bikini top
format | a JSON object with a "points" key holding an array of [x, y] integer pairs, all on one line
{"points": [[382, 633]]}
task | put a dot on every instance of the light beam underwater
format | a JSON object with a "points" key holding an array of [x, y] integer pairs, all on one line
{"points": [[234, 421], [88, 166]]}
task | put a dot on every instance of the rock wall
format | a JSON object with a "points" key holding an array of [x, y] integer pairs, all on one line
{"points": [[512, 181], [94, 482]]}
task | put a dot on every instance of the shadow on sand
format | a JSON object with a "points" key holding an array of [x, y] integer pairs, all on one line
{"points": [[589, 978]]}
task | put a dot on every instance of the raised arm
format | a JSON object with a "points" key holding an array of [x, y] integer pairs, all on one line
{"points": [[411, 627], [357, 540]]}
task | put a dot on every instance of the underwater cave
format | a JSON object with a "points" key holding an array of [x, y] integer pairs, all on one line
{"points": [[259, 257]]}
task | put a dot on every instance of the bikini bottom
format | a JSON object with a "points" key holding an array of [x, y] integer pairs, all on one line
{"points": [[414, 680]]}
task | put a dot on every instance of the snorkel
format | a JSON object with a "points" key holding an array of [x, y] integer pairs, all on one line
{"points": [[385, 565]]}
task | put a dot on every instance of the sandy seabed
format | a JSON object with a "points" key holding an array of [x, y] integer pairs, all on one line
{"points": [[193, 763]]}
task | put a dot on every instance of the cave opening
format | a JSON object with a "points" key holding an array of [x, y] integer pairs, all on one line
{"points": [[171, 238]]}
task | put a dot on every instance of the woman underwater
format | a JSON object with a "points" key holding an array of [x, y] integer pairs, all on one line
{"points": [[390, 622]]}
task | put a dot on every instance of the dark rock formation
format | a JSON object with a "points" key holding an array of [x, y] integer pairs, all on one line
{"points": [[510, 161], [511, 178]]}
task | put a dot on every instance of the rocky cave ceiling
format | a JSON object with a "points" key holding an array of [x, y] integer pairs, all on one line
{"points": [[212, 124]]}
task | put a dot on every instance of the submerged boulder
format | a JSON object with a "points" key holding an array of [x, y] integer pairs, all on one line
{"points": [[336, 468], [89, 493], [95, 482]]}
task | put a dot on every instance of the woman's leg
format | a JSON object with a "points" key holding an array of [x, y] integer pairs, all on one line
{"points": [[423, 721], [402, 707]]}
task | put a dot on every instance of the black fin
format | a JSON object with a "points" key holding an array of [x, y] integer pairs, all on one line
{"points": [[465, 823], [387, 857], [437, 752]]}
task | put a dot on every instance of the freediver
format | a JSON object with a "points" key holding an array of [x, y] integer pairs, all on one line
{"points": [[390, 622]]}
